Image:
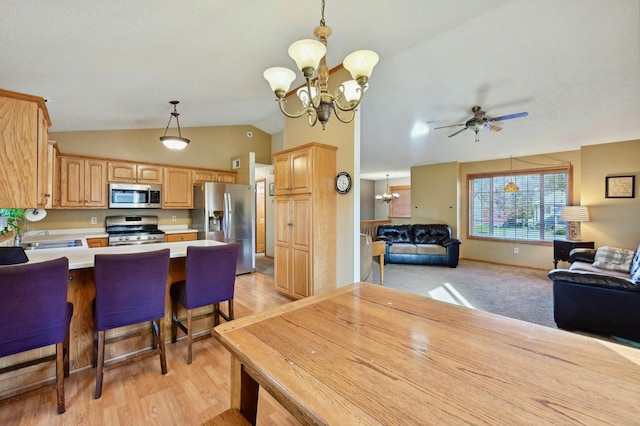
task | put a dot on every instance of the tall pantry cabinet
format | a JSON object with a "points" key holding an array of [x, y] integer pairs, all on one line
{"points": [[305, 217]]}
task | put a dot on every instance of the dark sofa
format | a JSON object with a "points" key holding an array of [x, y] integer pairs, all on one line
{"points": [[419, 244], [597, 300]]}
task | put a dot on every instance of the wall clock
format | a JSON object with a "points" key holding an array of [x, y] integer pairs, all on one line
{"points": [[343, 182]]}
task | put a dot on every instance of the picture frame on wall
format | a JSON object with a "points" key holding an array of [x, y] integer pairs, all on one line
{"points": [[272, 189], [620, 186]]}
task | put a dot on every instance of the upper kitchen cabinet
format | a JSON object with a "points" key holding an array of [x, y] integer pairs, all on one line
{"points": [[203, 175], [53, 170], [177, 188], [294, 168], [83, 182], [24, 134], [123, 171]]}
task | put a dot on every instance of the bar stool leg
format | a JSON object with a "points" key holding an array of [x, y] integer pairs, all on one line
{"points": [[60, 377], [189, 337], [163, 358], [174, 320], [100, 362]]}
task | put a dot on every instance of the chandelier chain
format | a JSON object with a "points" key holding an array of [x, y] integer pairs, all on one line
{"points": [[322, 19]]}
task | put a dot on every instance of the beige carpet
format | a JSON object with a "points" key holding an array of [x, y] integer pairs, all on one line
{"points": [[520, 293]]}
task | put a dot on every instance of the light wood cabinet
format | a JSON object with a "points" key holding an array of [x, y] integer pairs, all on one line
{"points": [[293, 172], [305, 216], [177, 189], [24, 124], [53, 171], [97, 242], [83, 182], [124, 171], [226, 177], [202, 175], [183, 236]]}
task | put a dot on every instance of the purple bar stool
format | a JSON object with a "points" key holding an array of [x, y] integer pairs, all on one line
{"points": [[34, 312], [211, 279], [130, 289]]}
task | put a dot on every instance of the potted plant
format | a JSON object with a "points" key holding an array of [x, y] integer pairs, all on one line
{"points": [[10, 221]]}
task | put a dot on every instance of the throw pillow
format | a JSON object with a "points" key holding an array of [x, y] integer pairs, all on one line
{"points": [[635, 266], [614, 259]]}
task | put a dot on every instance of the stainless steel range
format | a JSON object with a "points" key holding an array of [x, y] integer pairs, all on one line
{"points": [[133, 230]]}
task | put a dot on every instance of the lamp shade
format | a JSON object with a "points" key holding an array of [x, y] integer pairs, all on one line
{"points": [[360, 63], [307, 53], [174, 142], [574, 214], [511, 187], [352, 91], [279, 78], [303, 95]]}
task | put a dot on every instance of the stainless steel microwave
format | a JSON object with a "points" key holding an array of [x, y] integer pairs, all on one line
{"points": [[134, 196]]}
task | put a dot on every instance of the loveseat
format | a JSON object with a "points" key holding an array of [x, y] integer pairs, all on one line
{"points": [[599, 293], [419, 244]]}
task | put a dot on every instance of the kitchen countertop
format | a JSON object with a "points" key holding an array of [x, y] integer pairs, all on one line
{"points": [[83, 257]]}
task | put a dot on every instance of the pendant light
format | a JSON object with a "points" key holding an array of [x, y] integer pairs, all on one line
{"points": [[511, 186], [175, 143]]}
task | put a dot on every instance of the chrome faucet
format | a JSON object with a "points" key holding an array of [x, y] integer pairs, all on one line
{"points": [[21, 237]]}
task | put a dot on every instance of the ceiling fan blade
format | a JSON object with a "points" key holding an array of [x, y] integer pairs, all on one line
{"points": [[459, 131], [510, 116], [444, 127]]}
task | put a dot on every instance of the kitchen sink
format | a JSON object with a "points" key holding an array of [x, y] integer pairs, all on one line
{"points": [[41, 245]]}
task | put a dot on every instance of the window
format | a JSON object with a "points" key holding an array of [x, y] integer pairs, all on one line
{"points": [[531, 214], [402, 206]]}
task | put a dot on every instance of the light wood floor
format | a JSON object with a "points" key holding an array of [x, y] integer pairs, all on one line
{"points": [[139, 394]]}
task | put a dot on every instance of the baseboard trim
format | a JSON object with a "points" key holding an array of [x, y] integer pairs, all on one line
{"points": [[505, 264]]}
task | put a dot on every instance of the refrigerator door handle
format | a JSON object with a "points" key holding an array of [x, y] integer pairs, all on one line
{"points": [[227, 215]]}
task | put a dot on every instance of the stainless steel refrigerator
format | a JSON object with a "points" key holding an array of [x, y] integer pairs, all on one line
{"points": [[225, 212]]}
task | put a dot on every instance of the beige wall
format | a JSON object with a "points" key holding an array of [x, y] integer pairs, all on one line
{"points": [[614, 221], [210, 147], [434, 195], [297, 132]]}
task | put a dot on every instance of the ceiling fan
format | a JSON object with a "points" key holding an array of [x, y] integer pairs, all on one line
{"points": [[479, 121]]}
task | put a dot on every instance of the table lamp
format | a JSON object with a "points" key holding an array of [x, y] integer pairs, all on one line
{"points": [[573, 215]]}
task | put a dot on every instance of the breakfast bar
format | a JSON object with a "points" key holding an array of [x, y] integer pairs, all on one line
{"points": [[81, 292]]}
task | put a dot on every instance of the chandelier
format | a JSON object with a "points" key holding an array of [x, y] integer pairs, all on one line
{"points": [[511, 186], [317, 102], [174, 142], [387, 197]]}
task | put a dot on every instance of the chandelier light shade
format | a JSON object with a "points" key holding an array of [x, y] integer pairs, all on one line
{"points": [[511, 186], [317, 102], [175, 143], [573, 215], [387, 197]]}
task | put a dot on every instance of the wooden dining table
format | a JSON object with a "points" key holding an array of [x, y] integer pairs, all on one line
{"points": [[368, 355]]}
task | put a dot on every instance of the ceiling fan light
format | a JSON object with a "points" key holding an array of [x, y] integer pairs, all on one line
{"points": [[307, 53], [279, 78], [360, 63]]}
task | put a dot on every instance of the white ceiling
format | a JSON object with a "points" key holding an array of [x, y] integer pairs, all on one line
{"points": [[574, 65]]}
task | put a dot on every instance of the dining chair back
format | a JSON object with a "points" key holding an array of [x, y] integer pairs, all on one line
{"points": [[210, 280], [34, 313], [130, 289]]}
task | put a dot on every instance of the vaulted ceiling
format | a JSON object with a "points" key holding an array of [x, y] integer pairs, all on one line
{"points": [[573, 65]]}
